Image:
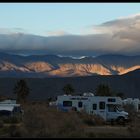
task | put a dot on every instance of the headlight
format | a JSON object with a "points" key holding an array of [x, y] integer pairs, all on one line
{"points": [[126, 116]]}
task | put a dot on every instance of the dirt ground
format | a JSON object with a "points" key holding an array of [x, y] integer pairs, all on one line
{"points": [[107, 130]]}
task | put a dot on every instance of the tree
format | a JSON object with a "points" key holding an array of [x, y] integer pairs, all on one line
{"points": [[120, 94], [50, 99], [21, 90], [103, 90], [68, 89]]}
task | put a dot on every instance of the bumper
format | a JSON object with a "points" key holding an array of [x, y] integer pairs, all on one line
{"points": [[128, 119]]}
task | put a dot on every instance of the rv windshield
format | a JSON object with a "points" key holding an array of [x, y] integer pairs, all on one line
{"points": [[119, 108]]}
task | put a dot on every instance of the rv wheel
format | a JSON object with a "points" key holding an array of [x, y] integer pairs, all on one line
{"points": [[121, 120]]}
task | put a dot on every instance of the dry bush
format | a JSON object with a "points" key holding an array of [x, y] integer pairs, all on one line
{"points": [[13, 131], [131, 111], [71, 125], [1, 123], [17, 131], [134, 127], [42, 121], [11, 119], [98, 120], [91, 120]]}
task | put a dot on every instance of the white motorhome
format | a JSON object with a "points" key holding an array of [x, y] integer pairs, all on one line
{"points": [[109, 108], [135, 102]]}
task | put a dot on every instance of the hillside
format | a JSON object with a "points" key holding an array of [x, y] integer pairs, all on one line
{"points": [[42, 88], [41, 66]]}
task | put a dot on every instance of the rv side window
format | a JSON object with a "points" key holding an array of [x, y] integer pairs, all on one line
{"points": [[80, 104], [111, 108], [94, 106], [67, 103], [102, 105], [111, 100]]}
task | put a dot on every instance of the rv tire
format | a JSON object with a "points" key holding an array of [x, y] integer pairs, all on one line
{"points": [[121, 120]]}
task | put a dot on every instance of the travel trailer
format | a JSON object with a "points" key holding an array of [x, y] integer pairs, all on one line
{"points": [[10, 108], [109, 108], [8, 101]]}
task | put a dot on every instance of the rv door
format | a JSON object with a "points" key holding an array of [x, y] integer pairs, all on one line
{"points": [[102, 110], [111, 112]]}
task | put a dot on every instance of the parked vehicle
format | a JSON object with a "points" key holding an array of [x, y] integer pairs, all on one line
{"points": [[134, 102], [10, 108], [109, 108]]}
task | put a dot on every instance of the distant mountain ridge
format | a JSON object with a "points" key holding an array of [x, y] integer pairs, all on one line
{"points": [[39, 66]]}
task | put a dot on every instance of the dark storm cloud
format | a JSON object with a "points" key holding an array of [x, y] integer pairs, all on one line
{"points": [[120, 36]]}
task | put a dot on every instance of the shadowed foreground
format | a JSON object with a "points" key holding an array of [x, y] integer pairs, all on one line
{"points": [[39, 120]]}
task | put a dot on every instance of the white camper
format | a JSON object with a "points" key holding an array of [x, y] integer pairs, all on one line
{"points": [[109, 108], [8, 101], [68, 102], [10, 107], [135, 102]]}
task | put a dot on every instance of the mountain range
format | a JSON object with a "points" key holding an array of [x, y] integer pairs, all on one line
{"points": [[40, 66]]}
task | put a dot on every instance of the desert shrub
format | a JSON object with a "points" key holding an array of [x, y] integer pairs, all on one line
{"points": [[14, 131], [91, 120], [98, 120], [17, 131], [1, 123], [4, 132], [134, 127], [42, 121], [37, 121], [11, 119], [15, 119], [5, 119], [131, 110], [71, 125]]}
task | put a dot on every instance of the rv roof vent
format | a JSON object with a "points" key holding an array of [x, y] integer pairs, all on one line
{"points": [[88, 94], [67, 95]]}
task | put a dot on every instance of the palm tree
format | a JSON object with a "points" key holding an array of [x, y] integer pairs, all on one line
{"points": [[21, 90], [68, 89]]}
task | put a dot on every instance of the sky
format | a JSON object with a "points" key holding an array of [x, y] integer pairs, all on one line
{"points": [[74, 18], [70, 28]]}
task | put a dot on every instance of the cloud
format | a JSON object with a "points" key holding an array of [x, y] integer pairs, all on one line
{"points": [[57, 33], [124, 28], [12, 30], [119, 36]]}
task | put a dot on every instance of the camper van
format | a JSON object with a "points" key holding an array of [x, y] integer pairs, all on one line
{"points": [[109, 108]]}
